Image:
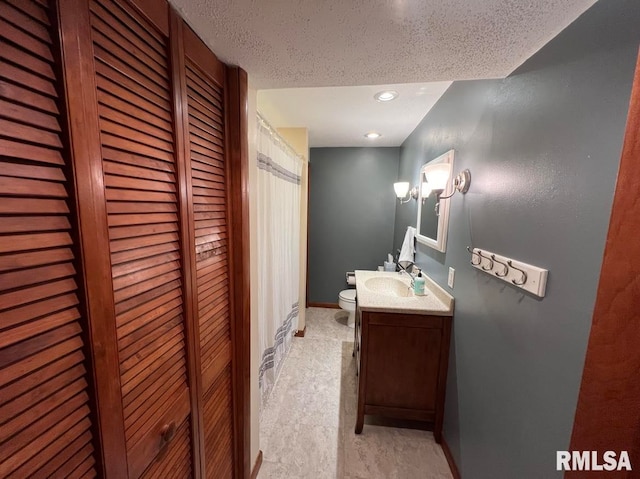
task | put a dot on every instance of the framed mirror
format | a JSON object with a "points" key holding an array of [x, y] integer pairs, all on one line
{"points": [[433, 214]]}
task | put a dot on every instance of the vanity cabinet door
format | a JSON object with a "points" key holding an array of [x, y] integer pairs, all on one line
{"points": [[404, 374], [402, 364]]}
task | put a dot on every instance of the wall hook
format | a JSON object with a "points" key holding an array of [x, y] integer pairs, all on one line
{"points": [[474, 253], [488, 259], [524, 275], [506, 267]]}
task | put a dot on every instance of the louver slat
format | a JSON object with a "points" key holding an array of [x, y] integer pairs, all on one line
{"points": [[45, 418]]}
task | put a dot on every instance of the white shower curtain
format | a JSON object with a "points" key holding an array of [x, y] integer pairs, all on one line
{"points": [[278, 193]]}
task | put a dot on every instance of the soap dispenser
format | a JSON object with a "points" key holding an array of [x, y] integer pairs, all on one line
{"points": [[418, 285]]}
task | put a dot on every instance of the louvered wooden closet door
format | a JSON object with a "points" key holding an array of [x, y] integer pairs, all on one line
{"points": [[136, 123], [45, 421], [208, 171]]}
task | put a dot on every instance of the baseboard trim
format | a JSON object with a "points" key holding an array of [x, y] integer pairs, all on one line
{"points": [[452, 464], [256, 466], [324, 305], [300, 332]]}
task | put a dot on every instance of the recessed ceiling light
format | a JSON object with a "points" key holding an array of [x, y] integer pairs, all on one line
{"points": [[386, 95], [372, 135]]}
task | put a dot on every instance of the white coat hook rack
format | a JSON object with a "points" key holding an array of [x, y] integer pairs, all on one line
{"points": [[522, 275]]}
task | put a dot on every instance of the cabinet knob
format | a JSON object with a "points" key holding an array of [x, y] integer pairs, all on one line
{"points": [[168, 431]]}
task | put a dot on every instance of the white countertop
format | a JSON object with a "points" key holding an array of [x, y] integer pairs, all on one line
{"points": [[436, 300]]}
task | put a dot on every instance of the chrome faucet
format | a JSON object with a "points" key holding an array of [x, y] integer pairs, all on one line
{"points": [[406, 269]]}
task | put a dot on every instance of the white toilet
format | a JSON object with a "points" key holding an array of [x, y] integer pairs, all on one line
{"points": [[347, 301]]}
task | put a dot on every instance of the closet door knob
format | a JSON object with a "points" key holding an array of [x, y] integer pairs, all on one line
{"points": [[168, 431]]}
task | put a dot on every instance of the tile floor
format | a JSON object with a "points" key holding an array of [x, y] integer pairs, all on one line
{"points": [[307, 426]]}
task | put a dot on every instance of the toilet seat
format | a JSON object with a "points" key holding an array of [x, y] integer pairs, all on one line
{"points": [[347, 301], [348, 295]]}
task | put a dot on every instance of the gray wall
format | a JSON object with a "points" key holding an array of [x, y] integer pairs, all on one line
{"points": [[351, 214], [543, 147]]}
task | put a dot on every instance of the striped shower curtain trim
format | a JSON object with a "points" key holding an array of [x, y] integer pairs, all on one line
{"points": [[270, 166], [282, 334]]}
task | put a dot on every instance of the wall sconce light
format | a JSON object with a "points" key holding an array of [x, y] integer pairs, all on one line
{"points": [[436, 176], [402, 191], [461, 183], [437, 183]]}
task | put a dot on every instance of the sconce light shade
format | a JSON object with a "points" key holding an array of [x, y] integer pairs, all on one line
{"points": [[401, 188], [461, 183], [426, 190], [437, 176]]}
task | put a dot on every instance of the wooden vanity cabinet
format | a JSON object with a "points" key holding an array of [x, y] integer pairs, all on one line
{"points": [[402, 362]]}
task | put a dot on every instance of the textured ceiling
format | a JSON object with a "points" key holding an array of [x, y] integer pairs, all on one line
{"points": [[302, 43], [288, 46], [340, 116]]}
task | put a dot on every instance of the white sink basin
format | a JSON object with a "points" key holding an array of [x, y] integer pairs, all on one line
{"points": [[387, 291], [389, 287]]}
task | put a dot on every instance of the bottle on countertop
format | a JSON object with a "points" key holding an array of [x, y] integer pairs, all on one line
{"points": [[418, 285]]}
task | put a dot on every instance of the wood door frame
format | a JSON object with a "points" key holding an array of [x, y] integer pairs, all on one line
{"points": [[237, 169], [608, 410]]}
